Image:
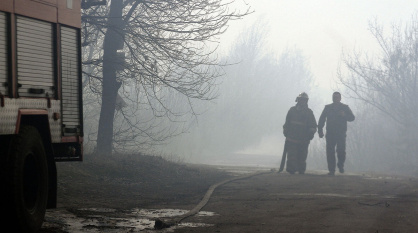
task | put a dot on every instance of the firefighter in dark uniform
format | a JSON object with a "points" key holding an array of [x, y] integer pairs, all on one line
{"points": [[299, 129], [336, 115]]}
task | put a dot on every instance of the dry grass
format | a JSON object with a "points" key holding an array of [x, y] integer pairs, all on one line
{"points": [[132, 181]]}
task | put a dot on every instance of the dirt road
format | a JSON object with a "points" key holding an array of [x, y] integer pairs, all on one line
{"points": [[271, 202], [313, 203]]}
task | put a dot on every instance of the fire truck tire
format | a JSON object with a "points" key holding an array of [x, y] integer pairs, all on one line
{"points": [[28, 181]]}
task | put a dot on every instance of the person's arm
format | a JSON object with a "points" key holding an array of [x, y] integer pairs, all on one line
{"points": [[321, 122], [286, 124], [312, 126], [349, 116], [322, 119]]}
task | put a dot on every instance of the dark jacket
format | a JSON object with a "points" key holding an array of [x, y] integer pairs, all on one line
{"points": [[300, 125], [336, 115]]}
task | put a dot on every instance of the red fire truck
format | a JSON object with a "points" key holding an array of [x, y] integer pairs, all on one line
{"points": [[41, 118]]}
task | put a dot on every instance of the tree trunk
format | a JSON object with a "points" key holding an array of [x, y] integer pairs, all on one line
{"points": [[113, 39]]}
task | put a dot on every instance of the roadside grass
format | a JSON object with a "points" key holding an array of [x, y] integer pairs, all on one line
{"points": [[152, 180]]}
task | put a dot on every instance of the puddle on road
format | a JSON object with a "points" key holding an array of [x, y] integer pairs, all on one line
{"points": [[338, 195], [101, 210], [165, 213], [239, 171], [371, 177], [110, 220]]}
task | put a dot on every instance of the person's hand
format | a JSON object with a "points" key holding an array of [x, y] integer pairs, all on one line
{"points": [[311, 136], [285, 132], [321, 133], [312, 133]]}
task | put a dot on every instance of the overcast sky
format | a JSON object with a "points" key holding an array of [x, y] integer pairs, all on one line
{"points": [[323, 28]]}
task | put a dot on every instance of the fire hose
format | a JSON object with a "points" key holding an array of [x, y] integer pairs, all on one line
{"points": [[160, 224]]}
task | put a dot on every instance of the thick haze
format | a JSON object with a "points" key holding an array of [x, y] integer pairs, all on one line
{"points": [[282, 49], [321, 29]]}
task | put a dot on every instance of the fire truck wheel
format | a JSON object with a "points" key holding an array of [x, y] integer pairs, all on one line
{"points": [[28, 180]]}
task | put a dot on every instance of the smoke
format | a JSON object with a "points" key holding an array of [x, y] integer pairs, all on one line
{"points": [[255, 94]]}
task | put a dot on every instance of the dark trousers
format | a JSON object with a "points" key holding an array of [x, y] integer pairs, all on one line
{"points": [[335, 141], [297, 153]]}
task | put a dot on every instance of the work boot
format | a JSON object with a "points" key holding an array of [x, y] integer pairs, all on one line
{"points": [[340, 168], [331, 173]]}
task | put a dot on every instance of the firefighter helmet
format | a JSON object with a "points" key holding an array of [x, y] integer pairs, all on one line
{"points": [[302, 95]]}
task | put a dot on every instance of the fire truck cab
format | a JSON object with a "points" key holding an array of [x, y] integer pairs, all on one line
{"points": [[41, 118]]}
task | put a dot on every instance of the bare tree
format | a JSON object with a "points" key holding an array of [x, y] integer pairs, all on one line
{"points": [[388, 81], [253, 98], [151, 47], [369, 142]]}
